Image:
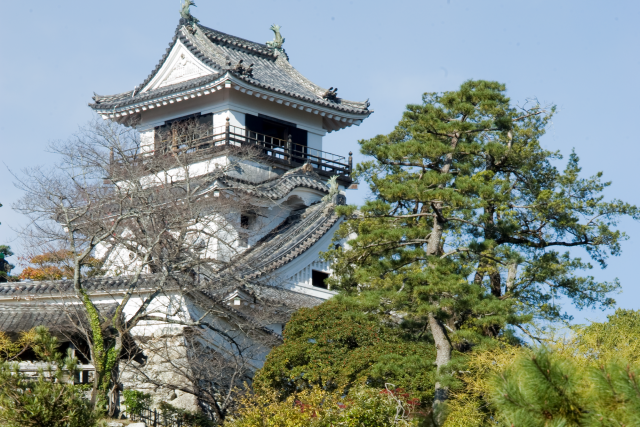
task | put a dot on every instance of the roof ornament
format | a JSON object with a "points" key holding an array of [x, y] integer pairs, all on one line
{"points": [[307, 168], [241, 69], [278, 40], [334, 192], [331, 94], [185, 12]]}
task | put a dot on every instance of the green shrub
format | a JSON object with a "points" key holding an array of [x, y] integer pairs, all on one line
{"points": [[136, 401], [47, 400], [362, 407], [337, 345], [189, 418]]}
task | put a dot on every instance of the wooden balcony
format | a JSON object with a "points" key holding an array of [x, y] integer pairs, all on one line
{"points": [[285, 153]]}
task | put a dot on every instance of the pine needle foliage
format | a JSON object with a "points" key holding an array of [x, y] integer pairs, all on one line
{"points": [[48, 400], [470, 223], [593, 351], [548, 389], [602, 342], [468, 405]]}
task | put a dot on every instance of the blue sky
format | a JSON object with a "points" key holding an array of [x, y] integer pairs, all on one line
{"points": [[580, 55]]}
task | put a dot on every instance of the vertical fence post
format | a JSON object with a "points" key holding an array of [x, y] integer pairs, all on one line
{"points": [[350, 161], [227, 132], [289, 148], [155, 418]]}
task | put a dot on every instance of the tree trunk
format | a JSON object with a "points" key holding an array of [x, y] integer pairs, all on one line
{"points": [[443, 345], [512, 273], [496, 282], [443, 357]]}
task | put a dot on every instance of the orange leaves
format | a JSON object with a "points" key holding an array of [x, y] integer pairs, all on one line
{"points": [[52, 265]]}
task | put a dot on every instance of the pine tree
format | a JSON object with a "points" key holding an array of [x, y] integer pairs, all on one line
{"points": [[547, 389], [5, 267], [48, 400], [463, 196]]}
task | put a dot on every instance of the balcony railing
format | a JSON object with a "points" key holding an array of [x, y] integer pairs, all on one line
{"points": [[284, 152]]}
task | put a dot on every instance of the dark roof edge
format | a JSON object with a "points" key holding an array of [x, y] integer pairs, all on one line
{"points": [[134, 102]]}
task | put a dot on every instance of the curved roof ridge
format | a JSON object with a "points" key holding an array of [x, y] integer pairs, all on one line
{"points": [[238, 41], [163, 59], [291, 238], [220, 52]]}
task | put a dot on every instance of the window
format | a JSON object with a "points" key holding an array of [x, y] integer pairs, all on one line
{"points": [[277, 132], [318, 279], [247, 222], [188, 132]]}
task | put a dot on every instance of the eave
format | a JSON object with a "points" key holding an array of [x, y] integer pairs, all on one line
{"points": [[335, 117]]}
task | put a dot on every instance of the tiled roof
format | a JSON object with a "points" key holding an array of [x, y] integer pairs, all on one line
{"points": [[272, 295], [271, 71], [289, 240], [65, 287], [278, 187], [16, 318], [63, 317]]}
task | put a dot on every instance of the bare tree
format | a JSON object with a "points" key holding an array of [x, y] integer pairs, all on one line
{"points": [[212, 368], [163, 208]]}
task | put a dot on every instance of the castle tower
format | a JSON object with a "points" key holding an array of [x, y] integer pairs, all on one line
{"points": [[246, 94]]}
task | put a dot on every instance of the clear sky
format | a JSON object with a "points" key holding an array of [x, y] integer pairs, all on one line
{"points": [[579, 54]]}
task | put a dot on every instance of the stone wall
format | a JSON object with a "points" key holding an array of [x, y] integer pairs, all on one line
{"points": [[163, 372]]}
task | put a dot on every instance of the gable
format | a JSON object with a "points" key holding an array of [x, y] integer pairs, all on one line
{"points": [[238, 297], [181, 65]]}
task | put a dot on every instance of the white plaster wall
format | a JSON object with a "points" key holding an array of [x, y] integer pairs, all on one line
{"points": [[314, 141], [147, 144], [180, 173], [236, 119], [235, 104]]}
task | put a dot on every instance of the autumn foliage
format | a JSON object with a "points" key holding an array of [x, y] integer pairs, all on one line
{"points": [[54, 265]]}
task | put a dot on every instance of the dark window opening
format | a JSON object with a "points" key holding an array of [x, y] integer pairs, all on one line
{"points": [[318, 279], [247, 220], [187, 132], [278, 130]]}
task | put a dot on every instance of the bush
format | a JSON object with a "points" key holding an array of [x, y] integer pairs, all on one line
{"points": [[48, 400], [337, 345], [189, 418], [362, 407], [136, 401]]}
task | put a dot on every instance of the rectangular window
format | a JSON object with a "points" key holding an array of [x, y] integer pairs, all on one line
{"points": [[276, 133], [318, 279], [187, 132]]}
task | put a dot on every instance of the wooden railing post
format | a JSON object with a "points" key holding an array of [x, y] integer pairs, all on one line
{"points": [[350, 161], [289, 148], [227, 132]]}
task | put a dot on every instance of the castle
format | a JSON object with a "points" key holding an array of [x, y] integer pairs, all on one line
{"points": [[240, 94]]}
